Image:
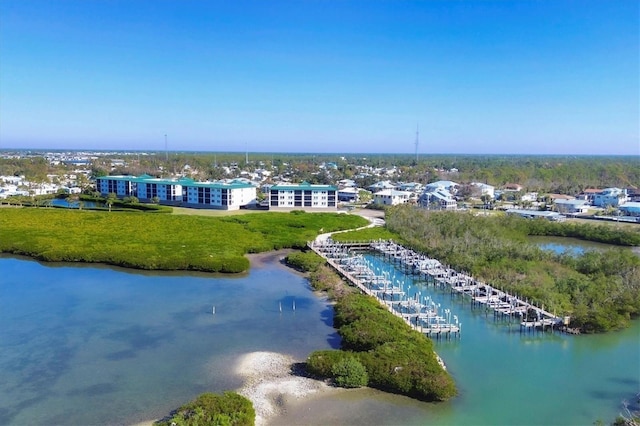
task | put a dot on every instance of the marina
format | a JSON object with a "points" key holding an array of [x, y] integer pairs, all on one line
{"points": [[419, 311]]}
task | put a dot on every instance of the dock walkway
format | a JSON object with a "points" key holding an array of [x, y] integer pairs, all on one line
{"points": [[420, 316], [503, 305]]}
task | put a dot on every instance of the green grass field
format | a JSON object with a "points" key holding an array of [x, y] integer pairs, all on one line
{"points": [[164, 242]]}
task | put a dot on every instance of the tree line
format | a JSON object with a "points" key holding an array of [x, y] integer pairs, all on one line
{"points": [[600, 290], [545, 174]]}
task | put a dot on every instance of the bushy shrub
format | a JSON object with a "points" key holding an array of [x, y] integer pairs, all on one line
{"points": [[320, 363], [210, 409], [395, 358], [349, 373], [304, 261], [363, 335]]}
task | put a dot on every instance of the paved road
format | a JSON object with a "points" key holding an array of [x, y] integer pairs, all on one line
{"points": [[376, 217]]}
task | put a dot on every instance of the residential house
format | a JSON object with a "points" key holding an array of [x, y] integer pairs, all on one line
{"points": [[414, 187], [589, 194], [630, 209], [348, 194], [391, 197], [438, 198], [347, 183], [513, 187], [451, 187], [379, 186], [485, 189], [610, 197], [576, 206]]}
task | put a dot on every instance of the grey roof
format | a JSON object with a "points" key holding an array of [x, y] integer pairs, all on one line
{"points": [[537, 213]]}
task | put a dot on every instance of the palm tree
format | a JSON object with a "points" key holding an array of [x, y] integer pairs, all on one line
{"points": [[111, 198]]}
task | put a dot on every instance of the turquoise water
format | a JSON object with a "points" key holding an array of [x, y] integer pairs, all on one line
{"points": [[509, 377], [86, 345]]}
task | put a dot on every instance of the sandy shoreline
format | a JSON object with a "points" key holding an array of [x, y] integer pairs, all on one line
{"points": [[268, 377], [271, 385], [275, 257]]}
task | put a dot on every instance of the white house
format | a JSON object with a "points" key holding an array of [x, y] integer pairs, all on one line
{"points": [[485, 189], [11, 190], [303, 196], [447, 185], [347, 183], [610, 197], [414, 187], [379, 186], [391, 197]]}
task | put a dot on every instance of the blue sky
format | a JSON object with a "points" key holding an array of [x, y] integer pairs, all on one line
{"points": [[481, 77]]}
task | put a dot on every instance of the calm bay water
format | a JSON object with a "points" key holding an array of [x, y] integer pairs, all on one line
{"points": [[85, 345]]}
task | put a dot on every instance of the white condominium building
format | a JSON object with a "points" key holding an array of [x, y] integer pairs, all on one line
{"points": [[303, 196]]}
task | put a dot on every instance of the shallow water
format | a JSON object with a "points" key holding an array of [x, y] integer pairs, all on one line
{"points": [[504, 376], [90, 345], [86, 345], [572, 246]]}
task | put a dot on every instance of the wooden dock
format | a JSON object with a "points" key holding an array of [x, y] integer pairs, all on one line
{"points": [[504, 306], [417, 315]]}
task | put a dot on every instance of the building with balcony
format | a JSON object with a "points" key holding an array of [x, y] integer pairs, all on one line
{"points": [[303, 196]]}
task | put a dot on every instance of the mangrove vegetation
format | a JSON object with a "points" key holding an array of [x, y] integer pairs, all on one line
{"points": [[208, 409], [162, 242], [599, 290]]}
